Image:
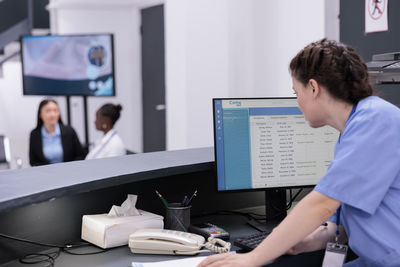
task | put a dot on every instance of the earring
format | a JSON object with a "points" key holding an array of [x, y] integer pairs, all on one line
{"points": [[104, 126]]}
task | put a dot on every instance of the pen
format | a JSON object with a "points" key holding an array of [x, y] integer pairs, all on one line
{"points": [[324, 224], [184, 201], [162, 199], [191, 198]]}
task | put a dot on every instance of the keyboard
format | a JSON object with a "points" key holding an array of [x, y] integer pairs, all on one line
{"points": [[250, 242]]}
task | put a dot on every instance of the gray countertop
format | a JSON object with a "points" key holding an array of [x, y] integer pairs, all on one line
{"points": [[37, 184]]}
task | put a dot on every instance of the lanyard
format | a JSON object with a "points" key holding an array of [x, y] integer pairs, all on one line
{"points": [[337, 224], [353, 110], [340, 208], [104, 144]]}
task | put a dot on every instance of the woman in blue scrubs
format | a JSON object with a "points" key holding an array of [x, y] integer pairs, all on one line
{"points": [[361, 188]]}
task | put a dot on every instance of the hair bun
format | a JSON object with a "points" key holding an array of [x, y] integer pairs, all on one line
{"points": [[118, 107]]}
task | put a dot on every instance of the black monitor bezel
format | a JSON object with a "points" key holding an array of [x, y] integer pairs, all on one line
{"points": [[72, 35], [215, 151]]}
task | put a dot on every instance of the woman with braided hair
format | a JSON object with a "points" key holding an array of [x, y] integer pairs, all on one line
{"points": [[359, 195]]}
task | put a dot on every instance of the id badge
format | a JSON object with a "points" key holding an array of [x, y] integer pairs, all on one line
{"points": [[335, 254]]}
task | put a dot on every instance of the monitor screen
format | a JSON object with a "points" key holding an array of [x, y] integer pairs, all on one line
{"points": [[68, 65], [267, 143]]}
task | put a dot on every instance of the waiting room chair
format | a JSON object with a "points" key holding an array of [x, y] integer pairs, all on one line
{"points": [[5, 154]]}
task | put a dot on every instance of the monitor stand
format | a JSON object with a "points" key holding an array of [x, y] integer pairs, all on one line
{"points": [[275, 210]]}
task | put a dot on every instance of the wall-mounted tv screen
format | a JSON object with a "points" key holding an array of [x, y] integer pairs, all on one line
{"points": [[70, 65]]}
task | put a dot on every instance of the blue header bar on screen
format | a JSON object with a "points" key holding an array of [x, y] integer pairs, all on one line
{"points": [[275, 111]]}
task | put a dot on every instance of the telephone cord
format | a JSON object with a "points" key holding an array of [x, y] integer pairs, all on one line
{"points": [[211, 245], [222, 246]]}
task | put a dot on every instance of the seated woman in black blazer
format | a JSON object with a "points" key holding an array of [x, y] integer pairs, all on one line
{"points": [[51, 141]]}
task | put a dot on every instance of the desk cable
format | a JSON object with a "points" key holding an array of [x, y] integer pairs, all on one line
{"points": [[252, 215], [50, 257]]}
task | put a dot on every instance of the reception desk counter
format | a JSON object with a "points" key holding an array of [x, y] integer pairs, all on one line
{"points": [[46, 203]]}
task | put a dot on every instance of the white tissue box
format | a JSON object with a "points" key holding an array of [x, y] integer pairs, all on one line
{"points": [[111, 231]]}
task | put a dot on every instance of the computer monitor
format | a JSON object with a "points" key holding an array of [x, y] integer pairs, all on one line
{"points": [[68, 65], [266, 144]]}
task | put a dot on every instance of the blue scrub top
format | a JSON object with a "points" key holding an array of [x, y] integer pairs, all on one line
{"points": [[365, 176], [52, 145]]}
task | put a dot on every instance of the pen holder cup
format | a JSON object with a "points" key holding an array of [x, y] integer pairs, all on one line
{"points": [[177, 217]]}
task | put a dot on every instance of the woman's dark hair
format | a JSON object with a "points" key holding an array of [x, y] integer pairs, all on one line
{"points": [[335, 66], [111, 111], [41, 105]]}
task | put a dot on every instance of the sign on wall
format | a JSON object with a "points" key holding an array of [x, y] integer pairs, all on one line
{"points": [[376, 18]]}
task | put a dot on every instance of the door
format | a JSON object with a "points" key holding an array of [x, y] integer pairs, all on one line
{"points": [[153, 79]]}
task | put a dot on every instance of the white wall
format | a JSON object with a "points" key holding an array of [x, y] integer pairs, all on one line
{"points": [[122, 18], [332, 21], [280, 35], [197, 67], [241, 52], [232, 48]]}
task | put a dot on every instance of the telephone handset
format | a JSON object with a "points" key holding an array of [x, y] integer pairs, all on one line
{"points": [[162, 241]]}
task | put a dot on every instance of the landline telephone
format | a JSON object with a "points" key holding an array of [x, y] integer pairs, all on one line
{"points": [[162, 241]]}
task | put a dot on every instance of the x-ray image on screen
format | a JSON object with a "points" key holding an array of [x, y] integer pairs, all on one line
{"points": [[68, 65]]}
